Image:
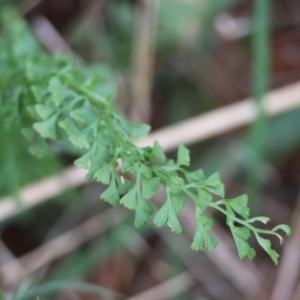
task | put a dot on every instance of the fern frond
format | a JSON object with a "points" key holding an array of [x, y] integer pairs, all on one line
{"points": [[58, 98]]}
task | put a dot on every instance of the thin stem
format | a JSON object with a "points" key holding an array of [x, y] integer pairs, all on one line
{"points": [[261, 61]]}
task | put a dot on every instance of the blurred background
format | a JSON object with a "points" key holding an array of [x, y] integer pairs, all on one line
{"points": [[197, 68]]}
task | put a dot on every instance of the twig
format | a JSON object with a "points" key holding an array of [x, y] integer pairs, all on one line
{"points": [[296, 295], [167, 289], [142, 60], [17, 269], [42, 190], [198, 266], [61, 245], [7, 255], [288, 272], [224, 119], [49, 37]]}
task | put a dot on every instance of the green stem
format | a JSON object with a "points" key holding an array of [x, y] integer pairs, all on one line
{"points": [[261, 57], [97, 100]]}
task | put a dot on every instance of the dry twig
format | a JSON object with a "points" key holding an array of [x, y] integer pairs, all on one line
{"points": [[59, 246], [168, 289], [143, 60], [224, 119], [288, 272]]}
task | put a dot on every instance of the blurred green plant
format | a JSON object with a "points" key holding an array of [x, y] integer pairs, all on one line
{"points": [[27, 292], [1, 295], [261, 72], [55, 98]]}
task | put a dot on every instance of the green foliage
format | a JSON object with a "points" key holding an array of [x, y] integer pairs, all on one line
{"points": [[1, 295], [63, 100], [26, 292]]}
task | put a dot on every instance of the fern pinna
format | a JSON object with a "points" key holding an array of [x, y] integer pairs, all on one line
{"points": [[54, 98]]}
